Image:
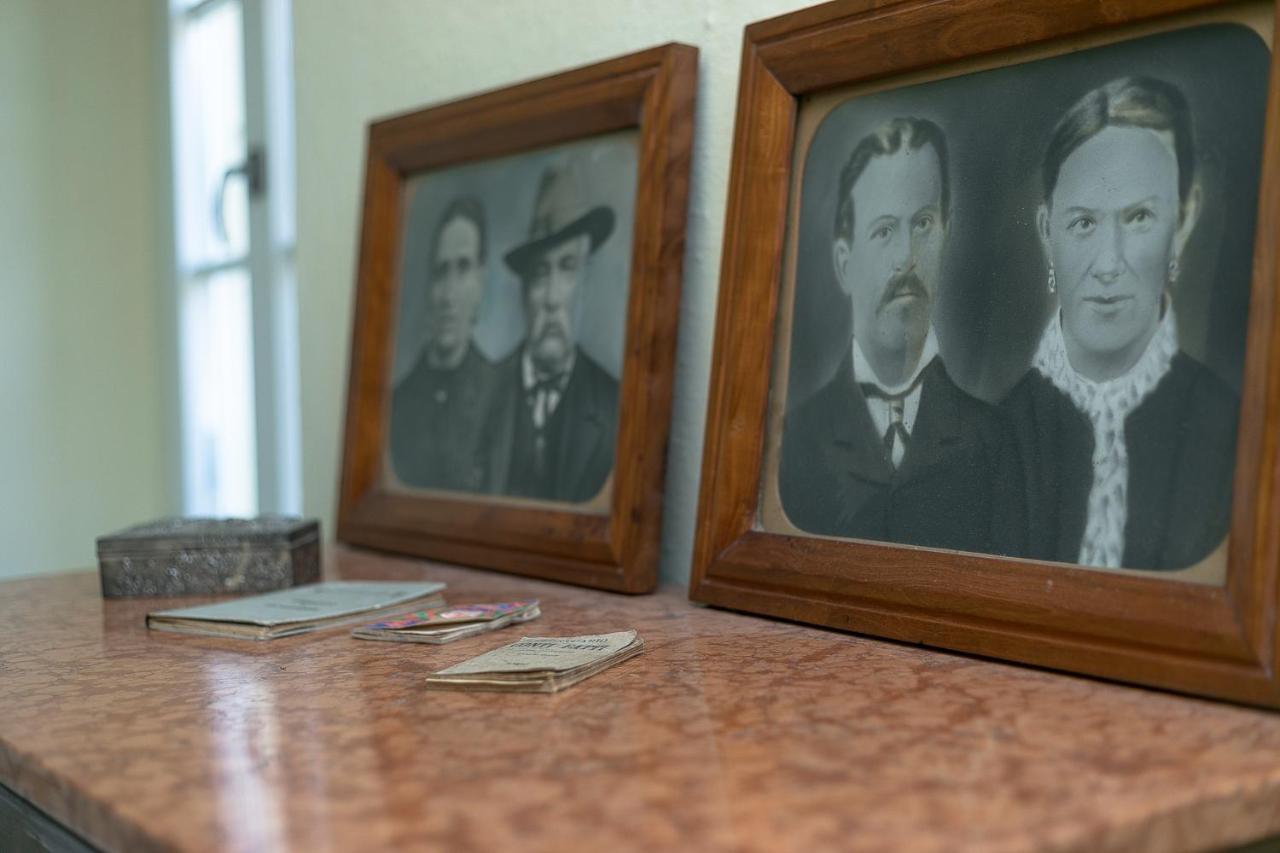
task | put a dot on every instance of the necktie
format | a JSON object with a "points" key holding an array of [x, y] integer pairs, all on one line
{"points": [[541, 403], [543, 396], [896, 438]]}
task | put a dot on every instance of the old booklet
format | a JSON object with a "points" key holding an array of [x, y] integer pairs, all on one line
{"points": [[446, 624], [297, 610], [539, 664]]}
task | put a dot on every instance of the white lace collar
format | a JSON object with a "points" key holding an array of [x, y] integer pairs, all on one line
{"points": [[1052, 363], [1107, 405]]}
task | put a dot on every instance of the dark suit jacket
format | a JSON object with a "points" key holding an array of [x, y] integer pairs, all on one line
{"points": [[587, 422], [436, 417], [1181, 442], [957, 486]]}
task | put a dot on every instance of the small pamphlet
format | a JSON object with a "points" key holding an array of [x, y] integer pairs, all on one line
{"points": [[297, 610], [446, 624], [539, 664]]}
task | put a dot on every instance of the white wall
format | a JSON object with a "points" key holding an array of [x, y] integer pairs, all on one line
{"points": [[358, 61], [82, 419]]}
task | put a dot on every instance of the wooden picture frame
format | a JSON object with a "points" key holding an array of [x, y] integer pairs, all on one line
{"points": [[1213, 640], [650, 93]]}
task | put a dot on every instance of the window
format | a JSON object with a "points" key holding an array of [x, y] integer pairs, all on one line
{"points": [[232, 128]]}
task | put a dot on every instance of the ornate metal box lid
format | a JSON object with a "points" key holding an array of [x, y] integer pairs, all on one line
{"points": [[266, 532]]}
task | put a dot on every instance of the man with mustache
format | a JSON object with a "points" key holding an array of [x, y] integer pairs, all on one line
{"points": [[439, 406], [551, 436], [890, 448]]}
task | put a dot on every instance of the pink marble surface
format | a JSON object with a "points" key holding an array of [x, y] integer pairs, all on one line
{"points": [[729, 733]]}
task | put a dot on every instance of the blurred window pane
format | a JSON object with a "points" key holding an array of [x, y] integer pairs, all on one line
{"points": [[217, 371], [213, 203], [231, 85]]}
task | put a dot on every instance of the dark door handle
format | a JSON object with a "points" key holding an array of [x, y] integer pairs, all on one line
{"points": [[254, 169]]}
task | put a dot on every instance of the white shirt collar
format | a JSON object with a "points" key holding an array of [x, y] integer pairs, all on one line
{"points": [[864, 372], [529, 374]]}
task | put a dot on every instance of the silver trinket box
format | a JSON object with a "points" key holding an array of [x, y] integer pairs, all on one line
{"points": [[209, 556]]}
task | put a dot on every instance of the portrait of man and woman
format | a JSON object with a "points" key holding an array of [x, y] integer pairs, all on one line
{"points": [[512, 314], [1020, 305]]}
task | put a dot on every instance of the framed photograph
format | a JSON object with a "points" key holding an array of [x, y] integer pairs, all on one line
{"points": [[996, 363], [515, 324]]}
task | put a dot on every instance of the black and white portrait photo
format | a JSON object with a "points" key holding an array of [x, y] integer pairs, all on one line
{"points": [[1016, 303], [510, 324]]}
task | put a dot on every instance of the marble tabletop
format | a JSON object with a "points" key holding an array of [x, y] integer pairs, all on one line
{"points": [[730, 732]]}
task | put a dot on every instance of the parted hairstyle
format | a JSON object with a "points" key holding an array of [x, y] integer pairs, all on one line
{"points": [[464, 207], [1135, 101], [889, 138]]}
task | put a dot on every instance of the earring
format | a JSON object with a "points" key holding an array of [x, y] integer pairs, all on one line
{"points": [[1053, 281], [1173, 270]]}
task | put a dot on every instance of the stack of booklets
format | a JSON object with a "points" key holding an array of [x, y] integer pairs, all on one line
{"points": [[298, 610], [446, 624], [539, 664]]}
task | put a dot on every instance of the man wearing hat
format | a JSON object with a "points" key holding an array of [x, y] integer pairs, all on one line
{"points": [[551, 433]]}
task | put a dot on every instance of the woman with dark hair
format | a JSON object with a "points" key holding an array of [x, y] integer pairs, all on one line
{"points": [[1128, 443]]}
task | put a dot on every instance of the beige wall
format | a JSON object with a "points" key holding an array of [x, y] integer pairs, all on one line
{"points": [[358, 61], [81, 426]]}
